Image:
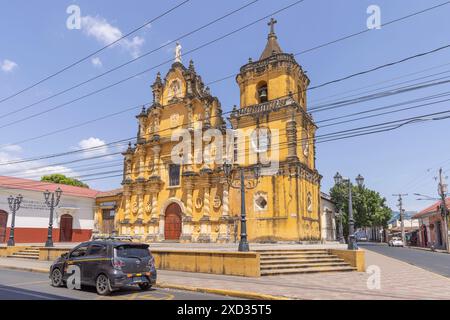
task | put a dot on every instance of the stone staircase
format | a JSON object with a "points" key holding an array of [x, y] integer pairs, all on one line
{"points": [[277, 262], [27, 253]]}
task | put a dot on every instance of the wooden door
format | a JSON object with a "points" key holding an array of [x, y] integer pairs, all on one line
{"points": [[3, 220], [65, 228], [172, 222], [107, 221]]}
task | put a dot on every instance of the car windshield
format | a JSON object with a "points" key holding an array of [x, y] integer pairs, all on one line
{"points": [[132, 251]]}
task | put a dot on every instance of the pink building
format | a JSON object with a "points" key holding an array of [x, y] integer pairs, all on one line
{"points": [[431, 226]]}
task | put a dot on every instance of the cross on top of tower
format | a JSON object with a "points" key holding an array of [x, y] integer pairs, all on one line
{"points": [[272, 25]]}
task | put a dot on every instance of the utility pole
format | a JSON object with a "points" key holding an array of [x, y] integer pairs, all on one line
{"points": [[400, 205], [442, 190]]}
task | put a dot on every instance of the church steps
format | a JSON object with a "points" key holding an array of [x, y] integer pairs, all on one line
{"points": [[304, 265], [306, 270], [26, 253], [277, 262], [296, 256], [290, 261]]}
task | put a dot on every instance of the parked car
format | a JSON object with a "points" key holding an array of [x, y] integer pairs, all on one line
{"points": [[396, 242], [361, 238], [108, 265]]}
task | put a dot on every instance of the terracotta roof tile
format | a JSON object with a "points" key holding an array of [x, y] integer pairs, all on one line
{"points": [[33, 185], [433, 208]]}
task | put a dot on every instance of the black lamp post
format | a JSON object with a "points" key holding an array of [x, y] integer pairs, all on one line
{"points": [[51, 202], [229, 175], [14, 206], [338, 179]]}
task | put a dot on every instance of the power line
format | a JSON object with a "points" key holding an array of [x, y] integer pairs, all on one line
{"points": [[128, 62], [211, 42], [94, 53], [147, 70], [346, 37], [291, 94]]}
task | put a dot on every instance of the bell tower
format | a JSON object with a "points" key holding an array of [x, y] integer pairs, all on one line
{"points": [[273, 112], [275, 75]]}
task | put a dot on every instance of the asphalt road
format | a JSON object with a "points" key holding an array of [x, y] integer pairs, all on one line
{"points": [[21, 285], [432, 261]]}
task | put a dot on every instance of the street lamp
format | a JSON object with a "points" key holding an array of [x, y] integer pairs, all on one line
{"points": [[51, 202], [338, 179], [229, 172], [14, 206]]}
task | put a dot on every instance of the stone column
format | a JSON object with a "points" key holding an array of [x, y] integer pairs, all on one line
{"points": [[153, 222], [190, 109], [161, 236], [156, 170], [141, 163], [186, 235], [225, 220], [140, 194], [205, 225], [127, 199], [291, 131], [207, 122]]}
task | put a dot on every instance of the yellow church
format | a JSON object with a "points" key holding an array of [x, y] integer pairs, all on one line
{"points": [[194, 201]]}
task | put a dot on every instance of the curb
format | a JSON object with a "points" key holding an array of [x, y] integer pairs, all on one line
{"points": [[223, 292], [163, 285], [426, 249], [28, 269]]}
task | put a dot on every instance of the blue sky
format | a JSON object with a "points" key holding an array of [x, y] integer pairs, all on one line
{"points": [[36, 42]]}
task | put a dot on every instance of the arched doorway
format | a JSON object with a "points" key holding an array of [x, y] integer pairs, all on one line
{"points": [[172, 222], [65, 228], [3, 221], [425, 236]]}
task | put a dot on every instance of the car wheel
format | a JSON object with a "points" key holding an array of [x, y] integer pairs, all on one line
{"points": [[144, 286], [103, 285], [56, 278]]}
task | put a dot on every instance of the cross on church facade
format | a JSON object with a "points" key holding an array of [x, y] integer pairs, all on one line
{"points": [[272, 25]]}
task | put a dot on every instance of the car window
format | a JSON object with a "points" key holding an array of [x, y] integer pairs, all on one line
{"points": [[79, 252], [132, 251], [97, 250]]}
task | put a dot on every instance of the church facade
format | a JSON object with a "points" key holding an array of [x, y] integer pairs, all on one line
{"points": [[193, 200]]}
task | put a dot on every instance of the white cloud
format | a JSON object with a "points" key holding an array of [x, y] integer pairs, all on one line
{"points": [[11, 148], [96, 62], [8, 65], [105, 33], [93, 143]]}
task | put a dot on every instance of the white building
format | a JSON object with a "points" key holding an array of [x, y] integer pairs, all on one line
{"points": [[73, 218], [327, 218]]}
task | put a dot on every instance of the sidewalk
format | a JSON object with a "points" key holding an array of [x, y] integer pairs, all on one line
{"points": [[399, 280], [212, 246]]}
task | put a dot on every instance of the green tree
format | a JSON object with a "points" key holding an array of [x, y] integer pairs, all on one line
{"points": [[62, 179], [369, 207]]}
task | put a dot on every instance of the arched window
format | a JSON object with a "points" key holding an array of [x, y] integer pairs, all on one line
{"points": [[263, 93]]}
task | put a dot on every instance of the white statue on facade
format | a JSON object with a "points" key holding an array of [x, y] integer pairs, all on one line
{"points": [[178, 52]]}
